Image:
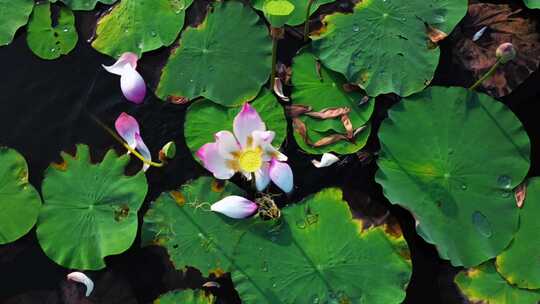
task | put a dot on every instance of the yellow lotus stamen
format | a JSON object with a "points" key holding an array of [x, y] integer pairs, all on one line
{"points": [[250, 160]]}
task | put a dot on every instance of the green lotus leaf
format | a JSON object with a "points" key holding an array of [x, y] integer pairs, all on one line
{"points": [[284, 262], [132, 26], [14, 15], [89, 210], [318, 255], [532, 3], [298, 15], [226, 59], [204, 119], [452, 157], [516, 264], [194, 236], [320, 88], [484, 284], [83, 5], [383, 46], [50, 41], [19, 201], [185, 297]]}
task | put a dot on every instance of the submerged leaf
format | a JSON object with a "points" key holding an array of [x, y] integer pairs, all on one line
{"points": [[83, 5], [298, 15]]}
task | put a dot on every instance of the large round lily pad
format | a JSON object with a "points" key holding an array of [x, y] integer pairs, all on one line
{"points": [[204, 119], [132, 26], [484, 284], [14, 15], [226, 59], [19, 201], [452, 157], [519, 264], [83, 5], [50, 41], [193, 235], [89, 210], [319, 88], [298, 16], [185, 297], [314, 253], [319, 255], [383, 46]]}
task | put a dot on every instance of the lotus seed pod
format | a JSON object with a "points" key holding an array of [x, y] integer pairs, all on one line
{"points": [[506, 52]]}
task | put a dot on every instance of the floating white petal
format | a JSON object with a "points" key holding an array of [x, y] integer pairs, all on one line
{"points": [[82, 278], [327, 159], [235, 206]]}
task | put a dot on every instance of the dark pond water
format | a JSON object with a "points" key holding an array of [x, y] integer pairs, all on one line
{"points": [[45, 107]]}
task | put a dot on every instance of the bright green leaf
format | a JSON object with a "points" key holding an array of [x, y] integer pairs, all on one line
{"points": [[48, 41], [298, 15], [321, 88], [140, 26], [383, 46], [319, 255], [193, 235], [278, 12], [89, 210], [83, 5], [185, 297], [484, 284], [204, 119], [532, 3], [519, 264], [19, 201], [452, 157], [282, 262], [225, 59], [13, 15]]}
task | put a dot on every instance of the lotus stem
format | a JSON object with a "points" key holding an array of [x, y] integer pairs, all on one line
{"points": [[130, 149], [306, 24], [276, 33], [486, 75]]}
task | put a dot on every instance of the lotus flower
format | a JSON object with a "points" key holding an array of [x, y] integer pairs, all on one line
{"points": [[235, 207], [131, 82], [248, 151], [128, 128]]}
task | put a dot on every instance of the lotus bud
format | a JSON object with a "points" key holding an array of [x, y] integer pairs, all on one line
{"points": [[168, 151], [506, 52]]}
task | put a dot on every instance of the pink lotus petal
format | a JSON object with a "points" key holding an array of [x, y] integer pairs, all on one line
{"points": [[262, 177], [227, 144], [247, 121], [82, 278], [235, 207], [281, 174], [214, 162], [127, 127], [133, 85], [127, 59], [264, 140], [143, 149]]}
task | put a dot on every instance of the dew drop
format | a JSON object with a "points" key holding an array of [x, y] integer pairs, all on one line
{"points": [[153, 33], [355, 28], [274, 285], [315, 300], [505, 194], [265, 267], [481, 223], [463, 187], [65, 30], [504, 181], [53, 50], [126, 31]]}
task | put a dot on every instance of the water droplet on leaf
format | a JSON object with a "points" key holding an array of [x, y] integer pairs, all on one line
{"points": [[481, 223], [504, 181]]}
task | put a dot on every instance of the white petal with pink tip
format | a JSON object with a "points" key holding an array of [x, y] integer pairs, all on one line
{"points": [[235, 206]]}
